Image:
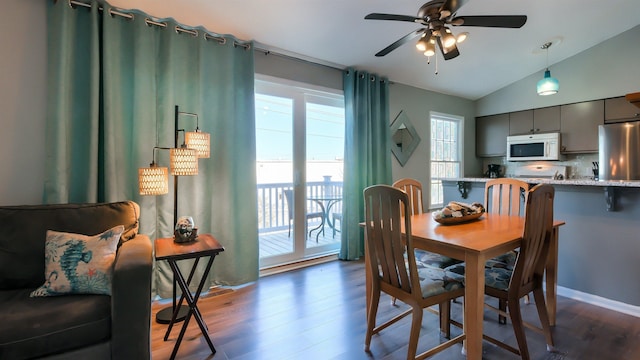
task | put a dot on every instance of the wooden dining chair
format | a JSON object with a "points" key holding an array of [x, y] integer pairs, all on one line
{"points": [[399, 276], [413, 188], [310, 215], [505, 196], [527, 275]]}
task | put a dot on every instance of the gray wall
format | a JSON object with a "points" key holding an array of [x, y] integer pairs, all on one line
{"points": [[417, 103], [284, 67], [23, 62], [606, 70]]}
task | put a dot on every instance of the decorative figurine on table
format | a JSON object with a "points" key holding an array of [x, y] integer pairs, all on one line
{"points": [[185, 231]]}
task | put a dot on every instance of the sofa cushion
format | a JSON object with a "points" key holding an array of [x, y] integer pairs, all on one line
{"points": [[33, 327], [79, 264], [24, 231]]}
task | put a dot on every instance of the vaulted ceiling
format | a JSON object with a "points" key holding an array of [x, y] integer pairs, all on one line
{"points": [[334, 32]]}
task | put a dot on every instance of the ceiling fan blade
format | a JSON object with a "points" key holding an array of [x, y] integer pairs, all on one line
{"points": [[403, 40], [449, 54], [501, 21], [452, 5], [378, 16]]}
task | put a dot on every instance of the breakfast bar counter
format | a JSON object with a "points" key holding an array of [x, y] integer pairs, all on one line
{"points": [[599, 247], [578, 182]]}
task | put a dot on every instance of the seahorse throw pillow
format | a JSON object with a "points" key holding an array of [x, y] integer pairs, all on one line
{"points": [[79, 264]]}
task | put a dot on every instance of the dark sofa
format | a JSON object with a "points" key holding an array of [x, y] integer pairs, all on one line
{"points": [[73, 326]]}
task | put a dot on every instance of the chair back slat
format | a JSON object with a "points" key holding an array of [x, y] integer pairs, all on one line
{"points": [[535, 237], [413, 188], [504, 196], [383, 225]]}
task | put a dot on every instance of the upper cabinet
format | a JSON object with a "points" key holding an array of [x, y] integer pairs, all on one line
{"points": [[619, 109], [535, 121], [546, 119], [521, 122], [491, 135], [579, 126]]}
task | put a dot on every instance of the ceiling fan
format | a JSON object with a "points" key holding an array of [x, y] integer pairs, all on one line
{"points": [[435, 17]]}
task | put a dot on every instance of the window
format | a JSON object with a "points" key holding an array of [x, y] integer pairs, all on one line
{"points": [[446, 153]]}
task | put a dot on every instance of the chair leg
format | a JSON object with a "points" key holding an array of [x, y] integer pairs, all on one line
{"points": [[416, 324], [502, 305], [371, 318], [444, 310], [538, 295], [518, 328]]}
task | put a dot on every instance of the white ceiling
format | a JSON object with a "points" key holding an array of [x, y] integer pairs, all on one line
{"points": [[334, 32]]}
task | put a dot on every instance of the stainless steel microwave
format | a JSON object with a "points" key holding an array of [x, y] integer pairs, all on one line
{"points": [[533, 147]]}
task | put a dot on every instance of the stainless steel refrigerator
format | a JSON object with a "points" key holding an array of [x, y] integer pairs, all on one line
{"points": [[619, 151]]}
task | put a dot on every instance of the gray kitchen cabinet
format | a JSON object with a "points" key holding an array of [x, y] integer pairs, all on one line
{"points": [[541, 120], [579, 126], [546, 119], [491, 135], [619, 109], [521, 122]]}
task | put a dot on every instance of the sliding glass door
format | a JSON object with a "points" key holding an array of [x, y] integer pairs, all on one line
{"points": [[299, 144]]}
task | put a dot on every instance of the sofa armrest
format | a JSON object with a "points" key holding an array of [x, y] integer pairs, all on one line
{"points": [[131, 300]]}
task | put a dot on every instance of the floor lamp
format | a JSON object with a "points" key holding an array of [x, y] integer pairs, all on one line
{"points": [[154, 180]]}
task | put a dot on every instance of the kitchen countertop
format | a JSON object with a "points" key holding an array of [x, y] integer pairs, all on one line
{"points": [[578, 182]]}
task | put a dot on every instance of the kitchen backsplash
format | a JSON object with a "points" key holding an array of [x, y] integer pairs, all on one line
{"points": [[578, 166]]}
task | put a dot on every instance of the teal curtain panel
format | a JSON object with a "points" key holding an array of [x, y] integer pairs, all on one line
{"points": [[367, 155], [114, 79]]}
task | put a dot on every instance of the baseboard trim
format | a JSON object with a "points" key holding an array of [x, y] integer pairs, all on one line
{"points": [[599, 301], [297, 265]]}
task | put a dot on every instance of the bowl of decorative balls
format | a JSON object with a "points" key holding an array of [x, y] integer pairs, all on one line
{"points": [[458, 212]]}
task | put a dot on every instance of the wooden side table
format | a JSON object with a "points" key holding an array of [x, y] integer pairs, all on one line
{"points": [[167, 249]]}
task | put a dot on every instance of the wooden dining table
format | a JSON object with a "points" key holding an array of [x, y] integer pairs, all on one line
{"points": [[475, 242]]}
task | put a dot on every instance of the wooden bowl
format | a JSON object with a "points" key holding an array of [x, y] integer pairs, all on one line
{"points": [[458, 220]]}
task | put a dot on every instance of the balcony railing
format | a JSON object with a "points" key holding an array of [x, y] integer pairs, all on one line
{"points": [[273, 212]]}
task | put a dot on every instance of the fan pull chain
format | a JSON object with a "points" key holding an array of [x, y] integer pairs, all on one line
{"points": [[436, 65]]}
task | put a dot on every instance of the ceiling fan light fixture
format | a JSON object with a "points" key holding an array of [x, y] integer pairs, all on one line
{"points": [[448, 40], [430, 50], [421, 45], [435, 16], [462, 37]]}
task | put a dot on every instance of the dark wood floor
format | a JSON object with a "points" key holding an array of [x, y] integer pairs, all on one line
{"points": [[318, 313]]}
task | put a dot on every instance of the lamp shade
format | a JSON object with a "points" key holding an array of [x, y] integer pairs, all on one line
{"points": [[548, 85], [153, 180], [198, 141], [183, 161]]}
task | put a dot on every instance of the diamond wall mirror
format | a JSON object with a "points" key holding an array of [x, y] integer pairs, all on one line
{"points": [[404, 138]]}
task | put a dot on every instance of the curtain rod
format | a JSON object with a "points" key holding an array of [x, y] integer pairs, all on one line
{"points": [[193, 32], [291, 57], [220, 39]]}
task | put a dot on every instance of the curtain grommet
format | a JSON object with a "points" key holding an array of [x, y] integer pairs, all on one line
{"points": [[150, 22]]}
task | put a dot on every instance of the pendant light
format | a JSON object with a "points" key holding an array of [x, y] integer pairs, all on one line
{"points": [[547, 85]]}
